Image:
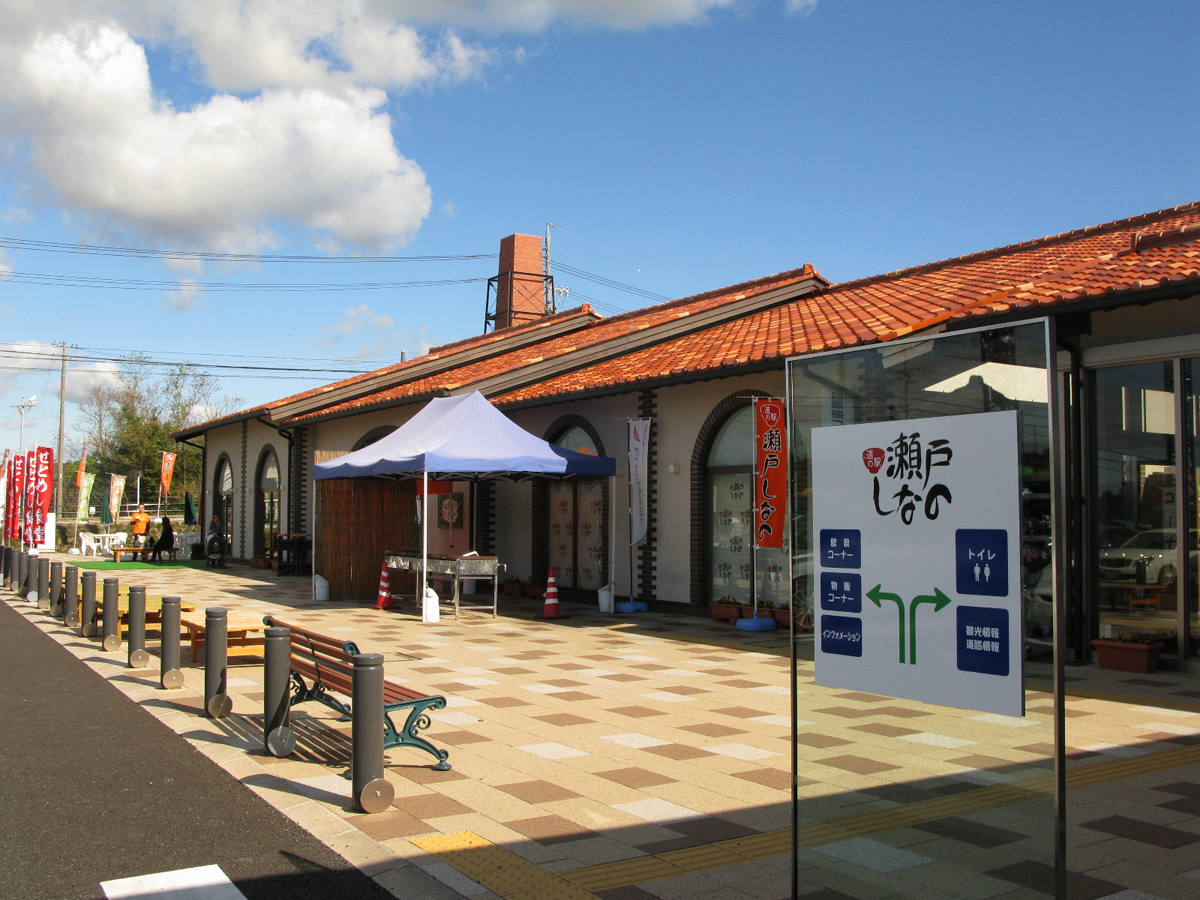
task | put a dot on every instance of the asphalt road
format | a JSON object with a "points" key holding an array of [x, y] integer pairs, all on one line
{"points": [[94, 788]]}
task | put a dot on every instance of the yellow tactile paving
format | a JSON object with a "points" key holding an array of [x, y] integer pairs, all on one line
{"points": [[500, 870]]}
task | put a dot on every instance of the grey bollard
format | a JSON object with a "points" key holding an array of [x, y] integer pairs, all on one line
{"points": [[278, 737], [217, 703], [31, 578], [5, 565], [43, 583], [87, 614], [371, 791], [56, 604], [170, 675], [109, 639], [138, 657], [71, 597], [18, 579]]}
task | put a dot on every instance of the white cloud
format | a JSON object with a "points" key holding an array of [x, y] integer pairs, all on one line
{"points": [[219, 171], [800, 7], [187, 296], [294, 135], [82, 379], [378, 329]]}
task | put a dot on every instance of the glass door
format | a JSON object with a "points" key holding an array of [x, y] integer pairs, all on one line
{"points": [[1138, 508]]}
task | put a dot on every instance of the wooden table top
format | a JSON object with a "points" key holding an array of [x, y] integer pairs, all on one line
{"points": [[235, 622]]}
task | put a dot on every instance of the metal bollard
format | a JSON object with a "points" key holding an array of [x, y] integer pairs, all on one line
{"points": [[109, 639], [56, 604], [138, 657], [371, 791], [5, 565], [88, 614], [31, 578], [170, 675], [43, 583], [18, 580], [71, 597], [217, 703], [278, 737]]}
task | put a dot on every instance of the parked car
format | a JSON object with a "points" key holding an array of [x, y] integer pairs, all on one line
{"points": [[1154, 549]]}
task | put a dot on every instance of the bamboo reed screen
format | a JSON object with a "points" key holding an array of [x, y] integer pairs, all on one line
{"points": [[358, 520]]}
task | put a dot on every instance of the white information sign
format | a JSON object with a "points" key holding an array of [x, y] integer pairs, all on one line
{"points": [[916, 554]]}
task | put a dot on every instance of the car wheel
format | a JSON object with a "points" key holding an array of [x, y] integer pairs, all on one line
{"points": [[1166, 575]]}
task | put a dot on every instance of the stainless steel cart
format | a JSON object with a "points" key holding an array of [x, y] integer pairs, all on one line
{"points": [[457, 567]]}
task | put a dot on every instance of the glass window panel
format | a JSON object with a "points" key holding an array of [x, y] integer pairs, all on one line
{"points": [[928, 752]]}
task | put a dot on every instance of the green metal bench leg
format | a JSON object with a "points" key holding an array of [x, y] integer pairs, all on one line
{"points": [[418, 719]]}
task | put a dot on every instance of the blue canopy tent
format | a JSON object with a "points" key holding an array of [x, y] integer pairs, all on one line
{"points": [[461, 438]]}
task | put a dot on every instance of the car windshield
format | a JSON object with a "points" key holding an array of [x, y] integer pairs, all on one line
{"points": [[1157, 539]]}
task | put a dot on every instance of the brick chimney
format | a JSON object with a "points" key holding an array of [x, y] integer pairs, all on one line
{"points": [[520, 297]]}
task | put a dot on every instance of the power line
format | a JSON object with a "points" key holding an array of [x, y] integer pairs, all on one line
{"points": [[608, 282], [138, 284], [146, 252]]}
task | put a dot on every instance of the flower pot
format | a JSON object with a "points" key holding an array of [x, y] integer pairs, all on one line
{"points": [[512, 588], [725, 612], [1127, 656], [783, 617]]}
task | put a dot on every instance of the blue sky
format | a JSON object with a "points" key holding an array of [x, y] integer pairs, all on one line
{"points": [[678, 145]]}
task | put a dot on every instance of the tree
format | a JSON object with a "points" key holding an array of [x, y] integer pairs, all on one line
{"points": [[126, 426]]}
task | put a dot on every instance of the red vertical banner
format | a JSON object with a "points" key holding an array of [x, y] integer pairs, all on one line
{"points": [[10, 502], [168, 469], [770, 473], [43, 486], [16, 494], [30, 496]]}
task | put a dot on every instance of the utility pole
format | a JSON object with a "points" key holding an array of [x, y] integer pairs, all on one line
{"points": [[549, 304], [62, 407]]}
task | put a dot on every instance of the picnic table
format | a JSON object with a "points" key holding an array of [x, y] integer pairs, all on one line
{"points": [[244, 630], [153, 609]]}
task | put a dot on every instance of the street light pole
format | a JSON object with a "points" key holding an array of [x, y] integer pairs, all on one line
{"points": [[23, 407]]}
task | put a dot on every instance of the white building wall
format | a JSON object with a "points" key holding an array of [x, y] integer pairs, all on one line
{"points": [[243, 457]]}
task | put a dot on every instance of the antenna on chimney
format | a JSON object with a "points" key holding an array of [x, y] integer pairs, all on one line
{"points": [[548, 281]]}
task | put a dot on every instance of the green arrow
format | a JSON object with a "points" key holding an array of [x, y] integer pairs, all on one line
{"points": [[939, 601], [875, 595]]}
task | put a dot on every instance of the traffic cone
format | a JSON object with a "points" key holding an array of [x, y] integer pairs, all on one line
{"points": [[550, 610], [385, 589]]}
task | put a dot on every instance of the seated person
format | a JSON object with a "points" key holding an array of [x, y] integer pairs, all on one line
{"points": [[166, 540]]}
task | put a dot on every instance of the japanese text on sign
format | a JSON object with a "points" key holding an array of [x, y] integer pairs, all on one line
{"points": [[770, 473]]}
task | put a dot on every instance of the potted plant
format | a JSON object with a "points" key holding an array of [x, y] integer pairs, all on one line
{"points": [[725, 610], [783, 614], [1129, 653], [766, 610], [512, 587]]}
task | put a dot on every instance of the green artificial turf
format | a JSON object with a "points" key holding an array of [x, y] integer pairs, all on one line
{"points": [[105, 565]]}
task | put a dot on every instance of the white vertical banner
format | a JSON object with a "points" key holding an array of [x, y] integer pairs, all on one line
{"points": [[639, 464]]}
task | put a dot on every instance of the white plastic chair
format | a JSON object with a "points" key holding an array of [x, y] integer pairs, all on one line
{"points": [[118, 540], [88, 545]]}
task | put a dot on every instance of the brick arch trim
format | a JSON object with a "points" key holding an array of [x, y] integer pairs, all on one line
{"points": [[699, 478], [564, 423]]}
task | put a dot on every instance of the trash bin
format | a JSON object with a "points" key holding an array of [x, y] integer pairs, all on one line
{"points": [[320, 588], [606, 598]]}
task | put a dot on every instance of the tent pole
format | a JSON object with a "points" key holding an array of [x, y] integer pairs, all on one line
{"points": [[424, 541]]}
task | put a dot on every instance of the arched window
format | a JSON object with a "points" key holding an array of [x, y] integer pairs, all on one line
{"points": [[266, 505], [730, 492], [577, 520], [223, 497], [372, 436]]}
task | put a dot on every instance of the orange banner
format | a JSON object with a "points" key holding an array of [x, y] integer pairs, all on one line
{"points": [[82, 468], [168, 470], [770, 473]]}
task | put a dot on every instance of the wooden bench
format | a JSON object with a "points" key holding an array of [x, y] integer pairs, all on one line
{"points": [[118, 552], [323, 665]]}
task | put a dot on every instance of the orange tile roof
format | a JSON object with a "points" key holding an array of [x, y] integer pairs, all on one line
{"points": [[1093, 262], [601, 332]]}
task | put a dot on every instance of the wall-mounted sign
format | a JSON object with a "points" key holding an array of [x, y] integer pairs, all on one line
{"points": [[916, 540]]}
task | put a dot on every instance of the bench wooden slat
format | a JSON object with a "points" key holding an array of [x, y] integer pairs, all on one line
{"points": [[329, 665]]}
